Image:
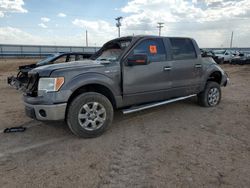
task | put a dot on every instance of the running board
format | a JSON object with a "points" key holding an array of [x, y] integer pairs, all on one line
{"points": [[151, 105]]}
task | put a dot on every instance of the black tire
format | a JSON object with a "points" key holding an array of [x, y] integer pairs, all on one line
{"points": [[79, 104], [205, 99]]}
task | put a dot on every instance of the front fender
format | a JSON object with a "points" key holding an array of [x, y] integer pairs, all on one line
{"points": [[93, 78]]}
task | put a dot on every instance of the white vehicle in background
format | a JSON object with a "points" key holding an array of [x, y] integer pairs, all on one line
{"points": [[226, 54]]}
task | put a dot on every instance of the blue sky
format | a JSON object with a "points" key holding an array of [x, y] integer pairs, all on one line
{"points": [[63, 22], [91, 10]]}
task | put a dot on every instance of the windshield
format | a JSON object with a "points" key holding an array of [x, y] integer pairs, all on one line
{"points": [[112, 51], [48, 59], [110, 54]]}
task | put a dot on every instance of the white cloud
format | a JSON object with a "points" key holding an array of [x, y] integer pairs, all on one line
{"points": [[1, 14], [208, 21], [10, 35], [11, 6], [62, 15], [97, 26], [207, 10], [99, 31], [43, 25], [45, 19]]}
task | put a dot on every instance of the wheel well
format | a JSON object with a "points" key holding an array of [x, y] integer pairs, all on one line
{"points": [[215, 76], [94, 88]]}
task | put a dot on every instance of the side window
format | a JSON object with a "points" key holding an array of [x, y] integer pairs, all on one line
{"points": [[154, 49], [61, 59], [70, 58], [79, 57], [182, 49]]}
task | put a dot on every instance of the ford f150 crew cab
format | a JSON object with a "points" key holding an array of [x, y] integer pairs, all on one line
{"points": [[128, 73]]}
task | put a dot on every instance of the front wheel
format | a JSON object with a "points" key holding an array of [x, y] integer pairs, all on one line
{"points": [[211, 95], [89, 114]]}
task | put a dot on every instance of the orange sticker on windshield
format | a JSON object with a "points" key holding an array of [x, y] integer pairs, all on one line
{"points": [[153, 49]]}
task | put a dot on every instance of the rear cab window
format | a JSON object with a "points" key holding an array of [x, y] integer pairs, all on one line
{"points": [[153, 48], [182, 49]]}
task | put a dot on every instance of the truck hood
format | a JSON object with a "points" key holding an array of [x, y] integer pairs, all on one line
{"points": [[48, 69]]}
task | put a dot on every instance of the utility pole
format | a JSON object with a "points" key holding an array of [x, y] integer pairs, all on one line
{"points": [[160, 25], [232, 36], [118, 25], [87, 38]]}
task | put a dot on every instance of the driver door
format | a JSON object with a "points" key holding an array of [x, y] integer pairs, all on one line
{"points": [[147, 83]]}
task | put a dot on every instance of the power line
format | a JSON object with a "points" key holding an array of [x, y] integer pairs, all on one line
{"points": [[160, 25], [232, 36], [118, 25], [87, 38]]}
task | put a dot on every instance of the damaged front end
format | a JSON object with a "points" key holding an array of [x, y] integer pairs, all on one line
{"points": [[31, 88], [21, 80]]}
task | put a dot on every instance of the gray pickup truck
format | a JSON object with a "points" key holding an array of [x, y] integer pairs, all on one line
{"points": [[129, 73]]}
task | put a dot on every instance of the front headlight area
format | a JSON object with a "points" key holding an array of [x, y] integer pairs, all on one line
{"points": [[49, 85]]}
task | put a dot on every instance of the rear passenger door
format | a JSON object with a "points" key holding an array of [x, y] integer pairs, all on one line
{"points": [[186, 69]]}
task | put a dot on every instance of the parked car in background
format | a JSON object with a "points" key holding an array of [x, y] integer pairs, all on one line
{"points": [[227, 55], [241, 59], [217, 59], [63, 57]]}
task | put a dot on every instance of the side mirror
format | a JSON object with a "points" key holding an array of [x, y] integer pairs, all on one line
{"points": [[137, 59]]}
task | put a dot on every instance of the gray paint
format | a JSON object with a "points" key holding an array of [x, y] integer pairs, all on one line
{"points": [[132, 85]]}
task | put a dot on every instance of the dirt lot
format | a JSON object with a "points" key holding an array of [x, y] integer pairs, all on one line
{"points": [[177, 145]]}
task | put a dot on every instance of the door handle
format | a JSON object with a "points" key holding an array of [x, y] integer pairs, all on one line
{"points": [[167, 68], [198, 66]]}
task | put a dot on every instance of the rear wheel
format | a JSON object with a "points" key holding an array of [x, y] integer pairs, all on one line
{"points": [[89, 114], [211, 95]]}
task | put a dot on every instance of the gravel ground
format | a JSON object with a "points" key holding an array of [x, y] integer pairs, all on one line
{"points": [[177, 145]]}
